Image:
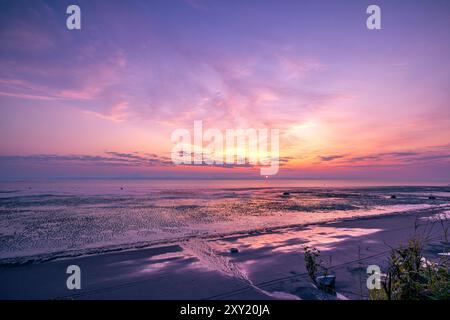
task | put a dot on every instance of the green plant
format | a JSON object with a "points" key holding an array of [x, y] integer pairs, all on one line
{"points": [[313, 263], [410, 276]]}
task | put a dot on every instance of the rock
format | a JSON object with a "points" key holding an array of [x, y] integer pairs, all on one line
{"points": [[234, 250], [326, 283], [286, 194], [393, 196], [432, 197]]}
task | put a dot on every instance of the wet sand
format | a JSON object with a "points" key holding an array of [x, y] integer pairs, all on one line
{"points": [[269, 264]]}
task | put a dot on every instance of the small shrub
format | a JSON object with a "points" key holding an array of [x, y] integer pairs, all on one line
{"points": [[409, 276], [313, 263]]}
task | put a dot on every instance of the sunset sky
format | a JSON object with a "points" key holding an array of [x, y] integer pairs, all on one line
{"points": [[103, 101]]}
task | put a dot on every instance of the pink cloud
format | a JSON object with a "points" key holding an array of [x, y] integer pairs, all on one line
{"points": [[118, 113]]}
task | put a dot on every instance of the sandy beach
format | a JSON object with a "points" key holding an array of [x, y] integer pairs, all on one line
{"points": [[269, 264], [225, 150]]}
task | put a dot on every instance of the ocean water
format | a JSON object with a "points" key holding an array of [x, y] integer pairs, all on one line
{"points": [[42, 220]]}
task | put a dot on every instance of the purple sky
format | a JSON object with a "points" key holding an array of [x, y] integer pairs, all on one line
{"points": [[102, 101]]}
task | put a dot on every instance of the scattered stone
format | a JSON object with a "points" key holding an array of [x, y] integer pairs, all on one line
{"points": [[286, 194], [326, 283], [234, 250], [393, 196], [432, 197]]}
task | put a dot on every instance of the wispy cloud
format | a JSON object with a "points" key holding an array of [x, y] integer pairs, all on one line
{"points": [[433, 154], [118, 113], [109, 158], [331, 158], [121, 159]]}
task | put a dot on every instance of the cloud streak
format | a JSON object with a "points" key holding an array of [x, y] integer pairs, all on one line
{"points": [[434, 154]]}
